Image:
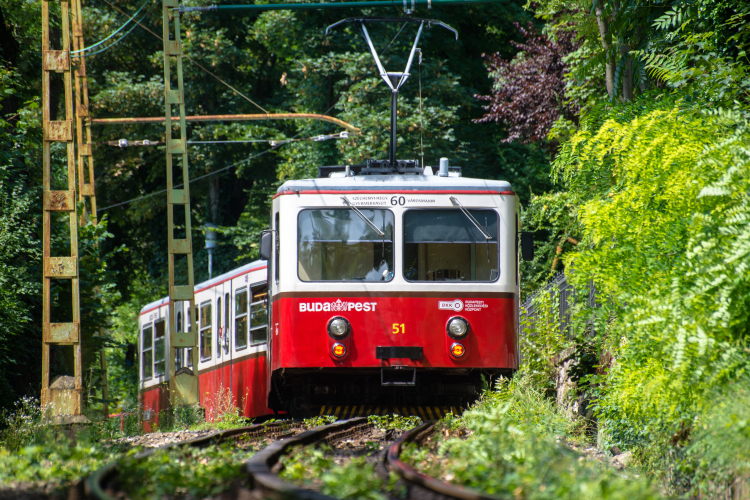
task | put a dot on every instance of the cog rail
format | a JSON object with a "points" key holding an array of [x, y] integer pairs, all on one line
{"points": [[96, 484], [421, 486], [262, 467]]}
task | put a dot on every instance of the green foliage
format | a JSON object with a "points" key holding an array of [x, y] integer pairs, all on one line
{"points": [[315, 467], [542, 340], [661, 190], [314, 422], [183, 471], [514, 450], [394, 422]]}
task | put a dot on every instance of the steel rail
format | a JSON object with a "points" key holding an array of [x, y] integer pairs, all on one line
{"points": [[229, 118], [333, 5], [93, 484], [259, 466], [421, 485]]}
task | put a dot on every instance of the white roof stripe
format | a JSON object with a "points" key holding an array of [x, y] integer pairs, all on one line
{"points": [[213, 281]]}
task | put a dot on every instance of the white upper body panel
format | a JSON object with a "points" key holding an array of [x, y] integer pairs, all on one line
{"points": [[399, 194]]}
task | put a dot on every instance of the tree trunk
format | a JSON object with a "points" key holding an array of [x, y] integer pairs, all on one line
{"points": [[609, 64]]}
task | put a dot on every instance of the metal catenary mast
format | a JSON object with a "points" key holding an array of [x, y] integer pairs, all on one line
{"points": [[64, 402]]}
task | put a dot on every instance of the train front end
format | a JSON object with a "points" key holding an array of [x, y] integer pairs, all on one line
{"points": [[391, 292]]}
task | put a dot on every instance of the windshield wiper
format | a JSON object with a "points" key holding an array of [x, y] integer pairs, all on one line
{"points": [[362, 216], [471, 218], [367, 221]]}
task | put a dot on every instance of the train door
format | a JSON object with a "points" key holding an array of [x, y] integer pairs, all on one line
{"points": [[223, 359]]}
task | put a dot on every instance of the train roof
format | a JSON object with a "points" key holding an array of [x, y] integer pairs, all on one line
{"points": [[258, 264], [395, 183]]}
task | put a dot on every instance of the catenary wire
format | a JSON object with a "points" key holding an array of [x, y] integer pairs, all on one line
{"points": [[119, 39], [215, 172], [116, 31], [194, 62]]}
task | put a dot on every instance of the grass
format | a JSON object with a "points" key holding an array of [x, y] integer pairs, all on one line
{"points": [[511, 444], [350, 479], [41, 456], [183, 472]]}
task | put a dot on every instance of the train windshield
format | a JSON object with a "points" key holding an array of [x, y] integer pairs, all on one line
{"points": [[337, 245], [445, 245]]}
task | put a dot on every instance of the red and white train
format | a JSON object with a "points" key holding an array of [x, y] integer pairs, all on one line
{"points": [[382, 292]]}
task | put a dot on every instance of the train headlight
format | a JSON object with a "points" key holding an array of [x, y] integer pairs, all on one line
{"points": [[458, 327], [457, 350], [339, 350], [338, 328]]}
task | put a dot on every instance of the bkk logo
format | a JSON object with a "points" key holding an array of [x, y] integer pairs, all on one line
{"points": [[337, 306], [451, 305]]}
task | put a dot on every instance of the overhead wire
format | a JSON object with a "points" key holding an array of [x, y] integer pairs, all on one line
{"points": [[116, 41], [124, 143], [115, 32], [138, 23], [217, 171]]}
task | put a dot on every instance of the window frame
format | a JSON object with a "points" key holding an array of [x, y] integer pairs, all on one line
{"points": [[165, 354], [250, 315], [228, 323], [201, 329], [237, 317], [393, 242], [149, 326], [426, 209]]}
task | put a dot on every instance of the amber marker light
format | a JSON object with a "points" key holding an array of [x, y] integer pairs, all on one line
{"points": [[339, 350], [458, 350]]}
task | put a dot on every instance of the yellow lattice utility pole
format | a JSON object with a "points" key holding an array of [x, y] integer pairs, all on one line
{"points": [[64, 397], [183, 386], [85, 158]]}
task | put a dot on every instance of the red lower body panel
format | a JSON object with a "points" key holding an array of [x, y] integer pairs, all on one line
{"points": [[300, 337], [241, 384]]}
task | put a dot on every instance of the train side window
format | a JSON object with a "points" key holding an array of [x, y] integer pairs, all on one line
{"points": [[159, 346], [189, 327], [220, 326], [259, 318], [206, 330], [147, 344], [240, 319], [179, 353], [227, 323]]}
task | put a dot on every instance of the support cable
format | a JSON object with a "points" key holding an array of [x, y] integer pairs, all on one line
{"points": [[118, 40], [138, 23], [212, 173], [421, 120], [115, 32]]}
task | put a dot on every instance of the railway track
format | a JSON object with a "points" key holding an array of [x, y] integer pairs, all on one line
{"points": [[420, 486], [105, 483], [263, 468]]}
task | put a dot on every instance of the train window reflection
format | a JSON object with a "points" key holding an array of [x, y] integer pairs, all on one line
{"points": [[337, 245], [147, 348], [240, 319], [159, 330], [444, 245], [205, 330]]}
